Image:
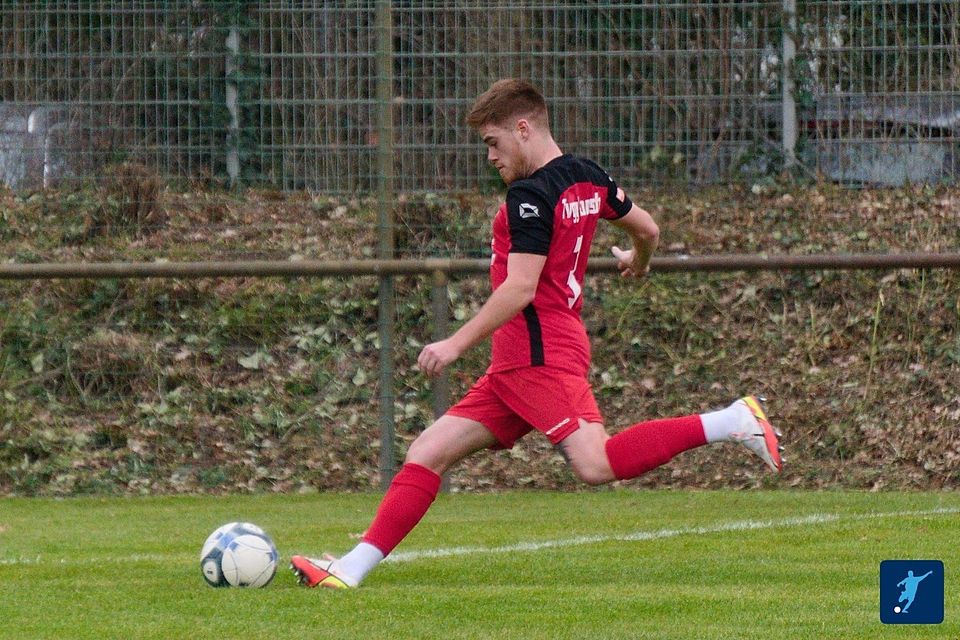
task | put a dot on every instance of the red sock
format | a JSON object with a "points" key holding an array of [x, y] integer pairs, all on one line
{"points": [[647, 445], [410, 495]]}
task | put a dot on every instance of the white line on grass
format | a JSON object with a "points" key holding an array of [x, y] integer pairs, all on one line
{"points": [[659, 534], [129, 559], [520, 547]]}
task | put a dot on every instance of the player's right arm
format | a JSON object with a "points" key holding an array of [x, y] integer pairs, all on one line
{"points": [[509, 299], [530, 223], [645, 234]]}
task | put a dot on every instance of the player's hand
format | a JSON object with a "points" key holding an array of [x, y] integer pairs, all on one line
{"points": [[436, 356], [625, 263]]}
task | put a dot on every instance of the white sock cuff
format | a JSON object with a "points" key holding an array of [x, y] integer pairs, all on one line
{"points": [[718, 425], [355, 566]]}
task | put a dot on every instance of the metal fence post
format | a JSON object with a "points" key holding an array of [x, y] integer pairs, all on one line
{"points": [[441, 329], [384, 31], [789, 104]]}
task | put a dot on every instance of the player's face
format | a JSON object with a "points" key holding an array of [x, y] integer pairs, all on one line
{"points": [[505, 151]]}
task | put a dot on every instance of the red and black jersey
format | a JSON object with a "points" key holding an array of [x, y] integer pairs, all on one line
{"points": [[553, 213]]}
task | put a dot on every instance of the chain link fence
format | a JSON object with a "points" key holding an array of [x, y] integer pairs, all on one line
{"points": [[877, 90], [284, 93], [231, 383]]}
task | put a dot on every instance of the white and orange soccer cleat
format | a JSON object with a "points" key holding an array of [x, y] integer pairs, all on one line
{"points": [[311, 572], [760, 437]]}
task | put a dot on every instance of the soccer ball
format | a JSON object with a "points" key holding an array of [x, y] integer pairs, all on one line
{"points": [[238, 554]]}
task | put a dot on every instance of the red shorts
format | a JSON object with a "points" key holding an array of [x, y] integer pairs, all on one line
{"points": [[512, 403]]}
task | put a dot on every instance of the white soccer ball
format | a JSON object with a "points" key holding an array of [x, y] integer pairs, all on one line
{"points": [[238, 554]]}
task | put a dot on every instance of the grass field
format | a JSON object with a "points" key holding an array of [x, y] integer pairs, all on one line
{"points": [[614, 564]]}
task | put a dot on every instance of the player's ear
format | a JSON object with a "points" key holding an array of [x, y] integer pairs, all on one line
{"points": [[523, 128]]}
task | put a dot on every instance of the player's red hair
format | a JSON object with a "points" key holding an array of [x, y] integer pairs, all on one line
{"points": [[507, 99]]}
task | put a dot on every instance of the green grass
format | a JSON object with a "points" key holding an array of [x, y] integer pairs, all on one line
{"points": [[128, 567]]}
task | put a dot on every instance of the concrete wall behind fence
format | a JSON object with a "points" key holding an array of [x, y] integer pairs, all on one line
{"points": [[685, 91]]}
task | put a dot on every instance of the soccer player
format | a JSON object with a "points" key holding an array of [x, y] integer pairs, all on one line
{"points": [[909, 585], [537, 378]]}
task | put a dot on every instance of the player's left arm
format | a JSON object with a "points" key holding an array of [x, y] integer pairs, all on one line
{"points": [[509, 299], [645, 235], [639, 225]]}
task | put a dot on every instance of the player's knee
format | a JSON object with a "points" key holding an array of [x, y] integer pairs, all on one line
{"points": [[585, 451], [593, 473], [592, 477], [425, 453]]}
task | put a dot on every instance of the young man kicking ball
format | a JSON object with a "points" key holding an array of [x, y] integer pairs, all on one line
{"points": [[537, 378]]}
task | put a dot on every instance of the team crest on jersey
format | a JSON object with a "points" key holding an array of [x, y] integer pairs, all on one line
{"points": [[528, 210]]}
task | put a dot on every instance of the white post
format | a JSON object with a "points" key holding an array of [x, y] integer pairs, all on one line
{"points": [[39, 124], [233, 130], [789, 104]]}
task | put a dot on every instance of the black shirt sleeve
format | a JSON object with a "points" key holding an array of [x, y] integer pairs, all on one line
{"points": [[617, 200], [530, 219]]}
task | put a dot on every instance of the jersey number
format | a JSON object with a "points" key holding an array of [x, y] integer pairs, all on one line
{"points": [[575, 288]]}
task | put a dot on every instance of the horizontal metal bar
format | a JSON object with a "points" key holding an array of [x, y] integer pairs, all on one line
{"points": [[300, 268], [806, 263]]}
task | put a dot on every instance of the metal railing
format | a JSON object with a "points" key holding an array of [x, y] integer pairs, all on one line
{"points": [[448, 267], [440, 270]]}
